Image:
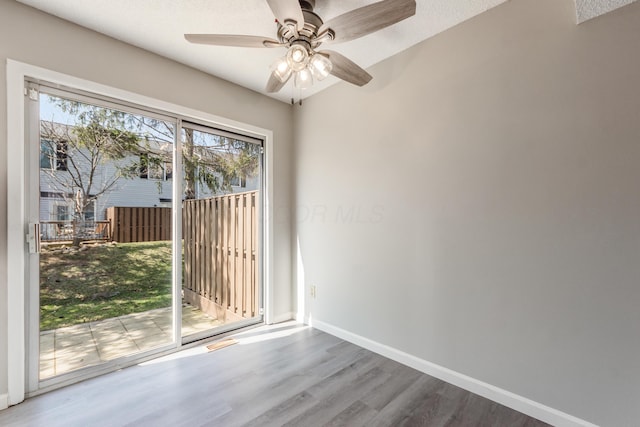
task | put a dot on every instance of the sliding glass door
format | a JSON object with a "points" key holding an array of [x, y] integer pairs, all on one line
{"points": [[144, 234]]}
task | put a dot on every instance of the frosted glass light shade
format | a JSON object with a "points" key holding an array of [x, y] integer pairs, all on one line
{"points": [[281, 69], [297, 57], [320, 66], [303, 79]]}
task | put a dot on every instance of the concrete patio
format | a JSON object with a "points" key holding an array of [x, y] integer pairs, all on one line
{"points": [[66, 349]]}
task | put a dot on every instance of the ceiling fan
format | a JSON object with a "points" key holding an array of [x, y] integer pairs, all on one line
{"points": [[302, 31]]}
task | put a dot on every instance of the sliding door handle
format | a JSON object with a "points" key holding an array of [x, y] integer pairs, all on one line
{"points": [[33, 238]]}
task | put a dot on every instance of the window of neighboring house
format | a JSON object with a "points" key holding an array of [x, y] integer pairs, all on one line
{"points": [[51, 195], [62, 212], [155, 168], [164, 202], [53, 155], [89, 213], [168, 171], [238, 181]]}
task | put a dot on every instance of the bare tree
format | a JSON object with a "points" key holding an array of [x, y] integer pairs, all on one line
{"points": [[86, 161]]}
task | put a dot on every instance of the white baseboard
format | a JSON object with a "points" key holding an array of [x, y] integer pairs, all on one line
{"points": [[4, 401], [496, 394], [283, 317]]}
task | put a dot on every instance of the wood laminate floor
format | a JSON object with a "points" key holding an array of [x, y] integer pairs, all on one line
{"points": [[288, 375]]}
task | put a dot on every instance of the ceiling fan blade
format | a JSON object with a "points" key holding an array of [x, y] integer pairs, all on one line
{"points": [[232, 40], [346, 69], [285, 10], [275, 84], [365, 20]]}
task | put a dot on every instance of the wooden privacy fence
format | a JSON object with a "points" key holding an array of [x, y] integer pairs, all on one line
{"points": [[139, 224], [221, 255]]}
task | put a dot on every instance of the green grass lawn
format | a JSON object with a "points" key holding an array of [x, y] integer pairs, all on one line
{"points": [[103, 282]]}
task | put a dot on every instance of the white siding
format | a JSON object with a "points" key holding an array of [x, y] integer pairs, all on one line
{"points": [[129, 192]]}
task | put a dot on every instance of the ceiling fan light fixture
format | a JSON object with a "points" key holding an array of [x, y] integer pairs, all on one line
{"points": [[303, 79], [281, 69], [297, 57], [320, 66]]}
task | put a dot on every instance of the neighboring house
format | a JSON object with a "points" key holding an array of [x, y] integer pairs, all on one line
{"points": [[151, 186]]}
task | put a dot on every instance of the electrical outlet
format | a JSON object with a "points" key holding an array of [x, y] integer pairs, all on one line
{"points": [[313, 291]]}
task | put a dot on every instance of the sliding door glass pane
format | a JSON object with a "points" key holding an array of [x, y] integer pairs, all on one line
{"points": [[105, 212], [220, 230]]}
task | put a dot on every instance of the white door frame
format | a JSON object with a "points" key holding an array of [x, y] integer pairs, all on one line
{"points": [[17, 221]]}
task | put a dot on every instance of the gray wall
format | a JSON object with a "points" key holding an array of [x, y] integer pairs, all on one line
{"points": [[477, 205], [36, 38]]}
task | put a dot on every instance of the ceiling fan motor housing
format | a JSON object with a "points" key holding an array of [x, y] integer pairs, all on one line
{"points": [[307, 4], [289, 34]]}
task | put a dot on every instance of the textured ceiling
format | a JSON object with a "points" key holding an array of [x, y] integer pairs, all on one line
{"points": [[159, 25], [588, 9]]}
